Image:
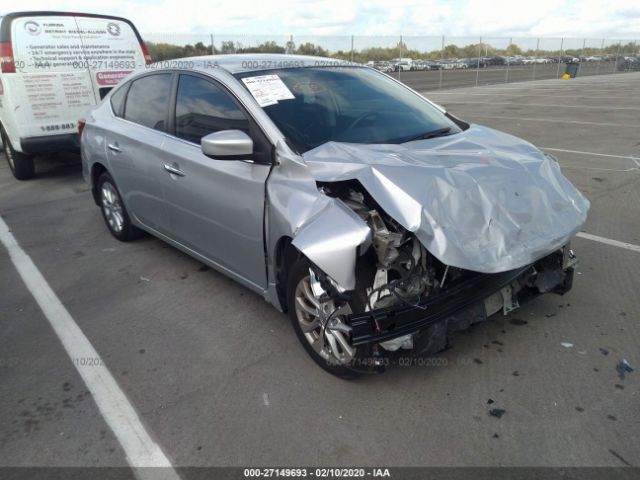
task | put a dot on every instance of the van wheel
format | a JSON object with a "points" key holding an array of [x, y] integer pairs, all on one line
{"points": [[114, 212], [21, 165]]}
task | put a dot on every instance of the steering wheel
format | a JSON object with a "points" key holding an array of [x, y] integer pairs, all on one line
{"points": [[361, 119]]}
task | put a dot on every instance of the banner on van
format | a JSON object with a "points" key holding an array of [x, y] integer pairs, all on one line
{"points": [[111, 78]]}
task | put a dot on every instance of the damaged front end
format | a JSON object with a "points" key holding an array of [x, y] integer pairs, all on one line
{"points": [[404, 299]]}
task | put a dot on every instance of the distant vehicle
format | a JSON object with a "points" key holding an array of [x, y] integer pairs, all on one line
{"points": [[514, 60], [54, 67], [383, 66], [629, 64], [494, 61], [402, 66]]}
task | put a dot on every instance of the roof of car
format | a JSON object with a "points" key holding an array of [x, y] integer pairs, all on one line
{"points": [[253, 62]]}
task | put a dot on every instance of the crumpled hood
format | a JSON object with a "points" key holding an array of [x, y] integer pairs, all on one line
{"points": [[481, 200]]}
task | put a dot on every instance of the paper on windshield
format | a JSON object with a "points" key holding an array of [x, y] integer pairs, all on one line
{"points": [[268, 89]]}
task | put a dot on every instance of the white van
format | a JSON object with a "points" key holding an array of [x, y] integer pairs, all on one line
{"points": [[54, 67]]}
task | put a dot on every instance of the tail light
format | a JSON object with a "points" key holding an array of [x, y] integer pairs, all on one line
{"points": [[81, 123], [145, 52], [6, 58]]}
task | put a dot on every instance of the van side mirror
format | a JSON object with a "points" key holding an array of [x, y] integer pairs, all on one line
{"points": [[227, 145]]}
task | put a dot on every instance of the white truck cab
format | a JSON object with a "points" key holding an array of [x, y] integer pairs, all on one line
{"points": [[55, 66]]}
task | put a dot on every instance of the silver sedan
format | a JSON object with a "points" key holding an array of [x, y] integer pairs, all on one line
{"points": [[377, 220]]}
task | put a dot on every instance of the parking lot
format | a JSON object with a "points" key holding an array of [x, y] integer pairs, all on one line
{"points": [[217, 376]]}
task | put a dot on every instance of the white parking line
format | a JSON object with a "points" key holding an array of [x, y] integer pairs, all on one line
{"points": [[119, 414], [435, 92], [553, 120], [634, 159], [599, 107], [608, 241]]}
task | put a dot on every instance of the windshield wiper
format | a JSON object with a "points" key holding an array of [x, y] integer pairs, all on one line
{"points": [[441, 132]]}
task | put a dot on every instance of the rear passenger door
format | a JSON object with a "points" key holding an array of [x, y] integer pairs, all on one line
{"points": [[135, 147], [216, 207]]}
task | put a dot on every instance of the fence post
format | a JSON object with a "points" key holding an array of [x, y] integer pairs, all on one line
{"points": [[400, 58], [506, 75], [581, 56], [615, 63], [536, 60], [560, 57], [600, 57], [441, 63], [351, 48], [478, 61]]}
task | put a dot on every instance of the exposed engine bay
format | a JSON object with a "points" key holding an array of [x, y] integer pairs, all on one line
{"points": [[398, 280]]}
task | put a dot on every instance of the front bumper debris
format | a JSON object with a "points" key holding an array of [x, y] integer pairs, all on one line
{"points": [[462, 304]]}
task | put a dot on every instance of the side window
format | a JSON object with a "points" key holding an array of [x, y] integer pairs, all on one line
{"points": [[148, 100], [203, 108], [117, 100]]}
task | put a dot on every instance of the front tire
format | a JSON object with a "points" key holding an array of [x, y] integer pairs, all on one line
{"points": [[21, 165], [310, 316], [114, 212]]}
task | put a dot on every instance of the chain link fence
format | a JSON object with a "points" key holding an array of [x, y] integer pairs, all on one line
{"points": [[427, 62]]}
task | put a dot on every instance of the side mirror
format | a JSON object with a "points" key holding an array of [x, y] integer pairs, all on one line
{"points": [[227, 145]]}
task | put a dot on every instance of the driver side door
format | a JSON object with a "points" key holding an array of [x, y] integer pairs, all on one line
{"points": [[215, 207]]}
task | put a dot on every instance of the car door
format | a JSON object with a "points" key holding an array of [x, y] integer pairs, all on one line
{"points": [[135, 147], [216, 207]]}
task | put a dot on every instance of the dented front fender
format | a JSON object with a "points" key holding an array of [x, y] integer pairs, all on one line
{"points": [[332, 240]]}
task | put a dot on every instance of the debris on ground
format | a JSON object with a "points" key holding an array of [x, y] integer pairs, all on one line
{"points": [[497, 412], [623, 367], [144, 279], [518, 322], [490, 401], [566, 344], [549, 315], [604, 351]]}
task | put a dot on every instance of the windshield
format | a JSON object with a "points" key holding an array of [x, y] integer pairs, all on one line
{"points": [[344, 104]]}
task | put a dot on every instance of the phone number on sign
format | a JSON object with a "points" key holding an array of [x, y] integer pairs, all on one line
{"points": [[316, 472]]}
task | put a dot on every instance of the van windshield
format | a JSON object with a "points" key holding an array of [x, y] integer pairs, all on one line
{"points": [[343, 104]]}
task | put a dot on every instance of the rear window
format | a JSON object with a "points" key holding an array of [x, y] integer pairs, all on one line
{"points": [[147, 101], [72, 43]]}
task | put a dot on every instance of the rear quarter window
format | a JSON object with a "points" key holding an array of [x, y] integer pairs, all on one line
{"points": [[118, 99]]}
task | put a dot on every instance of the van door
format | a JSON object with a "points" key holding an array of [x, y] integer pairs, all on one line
{"points": [[65, 64], [50, 90], [111, 51]]}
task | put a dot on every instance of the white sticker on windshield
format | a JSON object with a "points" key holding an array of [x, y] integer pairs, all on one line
{"points": [[268, 89]]}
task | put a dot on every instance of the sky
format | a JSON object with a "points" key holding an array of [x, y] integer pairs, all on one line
{"points": [[594, 19]]}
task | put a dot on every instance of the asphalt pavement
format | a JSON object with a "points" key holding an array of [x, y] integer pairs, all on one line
{"points": [[218, 378]]}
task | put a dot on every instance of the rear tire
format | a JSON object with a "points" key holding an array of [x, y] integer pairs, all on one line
{"points": [[114, 212], [21, 165]]}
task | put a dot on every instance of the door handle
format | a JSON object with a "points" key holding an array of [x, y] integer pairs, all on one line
{"points": [[173, 170], [114, 148]]}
